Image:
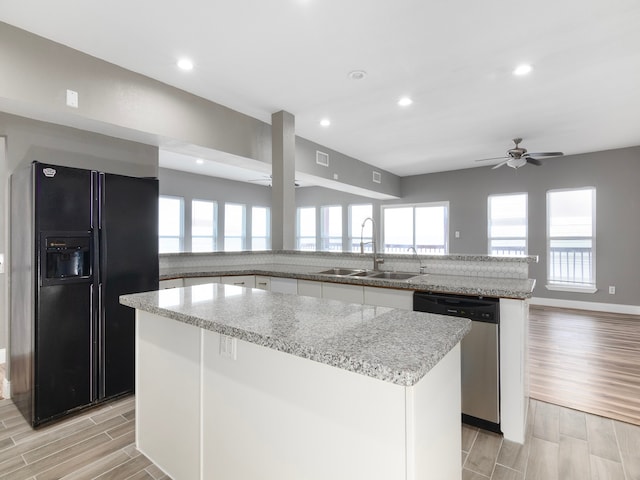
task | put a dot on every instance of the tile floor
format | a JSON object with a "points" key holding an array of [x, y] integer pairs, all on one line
{"points": [[561, 444]]}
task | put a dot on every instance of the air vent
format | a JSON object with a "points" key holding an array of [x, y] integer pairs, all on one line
{"points": [[377, 177], [322, 158]]}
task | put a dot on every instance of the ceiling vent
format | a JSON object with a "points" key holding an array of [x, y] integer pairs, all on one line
{"points": [[322, 158], [377, 177]]}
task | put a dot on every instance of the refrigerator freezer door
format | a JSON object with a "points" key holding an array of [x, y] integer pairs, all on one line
{"points": [[63, 353], [63, 198], [129, 264]]}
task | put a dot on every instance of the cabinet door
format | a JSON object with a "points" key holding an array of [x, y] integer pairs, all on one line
{"points": [[263, 283], [172, 283], [388, 297], [284, 285], [190, 281], [343, 292], [309, 288], [248, 281]]}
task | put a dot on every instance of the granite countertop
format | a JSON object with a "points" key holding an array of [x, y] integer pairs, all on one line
{"points": [[463, 285], [393, 345]]}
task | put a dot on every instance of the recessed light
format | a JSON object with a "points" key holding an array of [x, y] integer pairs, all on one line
{"points": [[199, 161], [523, 69], [325, 122], [405, 102], [185, 64], [357, 74]]}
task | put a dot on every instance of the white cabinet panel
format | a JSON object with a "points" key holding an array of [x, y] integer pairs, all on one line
{"points": [[388, 297], [263, 283], [168, 394], [283, 285], [190, 281], [248, 281], [343, 292], [173, 283], [309, 288]]}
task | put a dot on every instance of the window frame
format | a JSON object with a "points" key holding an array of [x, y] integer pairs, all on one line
{"points": [[325, 238], [214, 236], [415, 206], [315, 232], [554, 284], [243, 235], [526, 223], [352, 236], [267, 236], [180, 236]]}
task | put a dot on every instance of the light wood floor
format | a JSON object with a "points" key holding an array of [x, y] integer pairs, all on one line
{"points": [[588, 361], [98, 444]]}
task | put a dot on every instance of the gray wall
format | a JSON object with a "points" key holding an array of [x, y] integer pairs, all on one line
{"points": [[614, 173], [36, 74], [28, 140], [349, 170], [199, 187]]}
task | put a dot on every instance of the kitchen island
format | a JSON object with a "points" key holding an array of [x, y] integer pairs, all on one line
{"points": [[234, 382]]}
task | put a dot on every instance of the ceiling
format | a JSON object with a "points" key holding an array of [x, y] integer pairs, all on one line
{"points": [[454, 59]]}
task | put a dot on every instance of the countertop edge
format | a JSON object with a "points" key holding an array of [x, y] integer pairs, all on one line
{"points": [[425, 285], [404, 377]]}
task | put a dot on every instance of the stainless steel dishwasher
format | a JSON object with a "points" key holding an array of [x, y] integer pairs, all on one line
{"points": [[480, 352]]}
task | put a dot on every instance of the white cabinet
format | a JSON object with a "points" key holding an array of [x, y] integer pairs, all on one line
{"points": [[248, 281], [310, 288], [190, 281], [388, 297], [343, 292], [263, 283], [173, 283], [283, 285]]}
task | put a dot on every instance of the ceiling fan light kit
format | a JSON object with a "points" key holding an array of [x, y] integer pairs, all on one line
{"points": [[518, 157]]}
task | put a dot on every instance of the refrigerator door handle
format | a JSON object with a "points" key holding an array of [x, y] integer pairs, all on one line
{"points": [[101, 359], [92, 351]]}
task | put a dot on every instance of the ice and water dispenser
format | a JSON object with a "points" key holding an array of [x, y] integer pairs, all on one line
{"points": [[66, 258]]}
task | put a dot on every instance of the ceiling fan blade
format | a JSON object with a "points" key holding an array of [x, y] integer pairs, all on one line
{"points": [[500, 164], [545, 154], [533, 161], [493, 158]]}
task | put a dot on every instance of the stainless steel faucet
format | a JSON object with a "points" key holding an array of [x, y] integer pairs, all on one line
{"points": [[376, 259], [415, 252]]}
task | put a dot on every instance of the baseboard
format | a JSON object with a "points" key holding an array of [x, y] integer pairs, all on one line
{"points": [[6, 389], [580, 305]]}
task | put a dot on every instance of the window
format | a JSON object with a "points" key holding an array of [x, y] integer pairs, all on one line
{"points": [[507, 227], [357, 214], [234, 227], [260, 228], [331, 228], [306, 229], [424, 227], [571, 239], [203, 226], [170, 224]]}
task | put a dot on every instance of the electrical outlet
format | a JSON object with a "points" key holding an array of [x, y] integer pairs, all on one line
{"points": [[1, 262], [335, 176], [72, 98], [457, 234], [612, 290], [228, 346]]}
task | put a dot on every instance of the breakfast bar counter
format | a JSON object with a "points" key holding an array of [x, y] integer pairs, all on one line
{"points": [[235, 382]]}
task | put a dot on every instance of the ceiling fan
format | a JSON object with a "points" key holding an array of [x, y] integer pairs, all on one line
{"points": [[518, 157]]}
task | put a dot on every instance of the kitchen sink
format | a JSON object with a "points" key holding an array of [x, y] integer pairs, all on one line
{"points": [[393, 275], [342, 271]]}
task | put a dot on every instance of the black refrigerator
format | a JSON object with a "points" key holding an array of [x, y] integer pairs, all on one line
{"points": [[80, 239]]}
